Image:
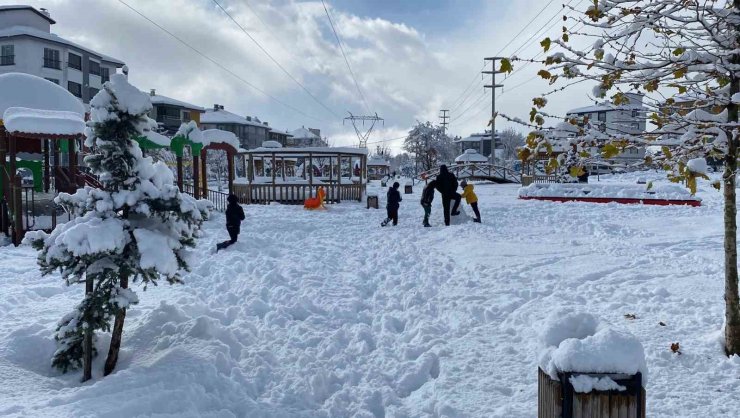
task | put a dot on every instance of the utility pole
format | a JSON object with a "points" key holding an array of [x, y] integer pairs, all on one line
{"points": [[493, 86], [444, 116]]}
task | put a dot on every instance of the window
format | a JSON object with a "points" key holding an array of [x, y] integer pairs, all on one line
{"points": [[104, 74], [74, 61], [186, 116], [92, 92], [7, 55], [602, 116], [51, 59], [53, 80], [74, 88], [636, 126], [634, 113], [94, 68]]}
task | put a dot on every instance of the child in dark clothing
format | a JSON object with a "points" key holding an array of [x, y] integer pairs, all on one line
{"points": [[394, 202], [427, 196], [234, 218]]}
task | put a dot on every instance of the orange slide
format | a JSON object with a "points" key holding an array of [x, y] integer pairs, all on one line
{"points": [[315, 202]]}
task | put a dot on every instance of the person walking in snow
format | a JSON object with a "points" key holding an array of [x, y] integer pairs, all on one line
{"points": [[470, 198], [234, 218], [392, 205], [427, 196], [447, 187]]}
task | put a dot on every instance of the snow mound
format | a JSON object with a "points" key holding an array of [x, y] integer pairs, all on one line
{"points": [[29, 91], [36, 121], [698, 166], [617, 191], [579, 342], [585, 384]]}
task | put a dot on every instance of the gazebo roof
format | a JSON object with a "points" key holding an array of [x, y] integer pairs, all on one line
{"points": [[304, 152], [43, 122], [215, 136], [31, 92], [471, 156], [378, 162]]}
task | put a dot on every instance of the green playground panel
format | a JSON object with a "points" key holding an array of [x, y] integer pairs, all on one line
{"points": [[36, 171]]}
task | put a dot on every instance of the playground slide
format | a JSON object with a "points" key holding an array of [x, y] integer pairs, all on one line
{"points": [[315, 202]]}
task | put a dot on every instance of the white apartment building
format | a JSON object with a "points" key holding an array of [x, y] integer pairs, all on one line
{"points": [[28, 46]]}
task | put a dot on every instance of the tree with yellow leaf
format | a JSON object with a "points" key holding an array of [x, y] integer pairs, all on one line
{"points": [[684, 55]]}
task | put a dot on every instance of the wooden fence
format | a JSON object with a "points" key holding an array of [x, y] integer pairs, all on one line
{"points": [[296, 194]]}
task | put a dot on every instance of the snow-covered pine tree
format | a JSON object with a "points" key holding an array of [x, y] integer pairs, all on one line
{"points": [[137, 227], [685, 56]]}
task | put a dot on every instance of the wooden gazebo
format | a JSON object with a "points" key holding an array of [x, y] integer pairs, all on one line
{"points": [[333, 168], [378, 168]]}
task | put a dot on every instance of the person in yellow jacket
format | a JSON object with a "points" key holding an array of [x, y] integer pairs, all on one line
{"points": [[471, 199]]}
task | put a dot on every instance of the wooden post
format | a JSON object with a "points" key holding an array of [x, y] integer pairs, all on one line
{"points": [[180, 172], [196, 175], [47, 174], [272, 171], [310, 174], [3, 164], [204, 173], [73, 163], [17, 211], [230, 157], [87, 342]]}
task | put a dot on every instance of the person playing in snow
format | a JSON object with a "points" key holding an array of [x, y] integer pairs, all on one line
{"points": [[447, 187], [427, 196], [234, 218], [470, 198], [394, 202]]}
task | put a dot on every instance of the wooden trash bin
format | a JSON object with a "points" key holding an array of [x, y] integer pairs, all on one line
{"points": [[408, 189], [558, 399], [372, 202]]}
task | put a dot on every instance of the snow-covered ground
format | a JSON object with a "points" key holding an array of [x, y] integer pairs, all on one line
{"points": [[326, 314]]}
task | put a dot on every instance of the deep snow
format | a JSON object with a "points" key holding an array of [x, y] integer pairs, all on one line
{"points": [[326, 314]]}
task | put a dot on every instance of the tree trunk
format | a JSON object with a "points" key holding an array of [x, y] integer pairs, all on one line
{"points": [[732, 299], [115, 342], [87, 343]]}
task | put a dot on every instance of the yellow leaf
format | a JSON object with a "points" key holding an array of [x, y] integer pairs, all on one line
{"points": [[552, 166], [524, 154], [691, 184], [649, 185], [540, 102], [667, 152], [576, 171], [546, 44], [717, 185], [599, 54], [651, 85], [681, 72], [609, 151], [679, 51], [565, 37], [506, 66], [544, 74]]}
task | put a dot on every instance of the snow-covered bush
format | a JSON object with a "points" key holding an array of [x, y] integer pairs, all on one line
{"points": [[137, 227]]}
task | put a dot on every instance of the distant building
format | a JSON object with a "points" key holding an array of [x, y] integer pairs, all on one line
{"points": [[249, 129], [303, 137], [28, 46], [171, 113], [481, 142], [627, 119], [283, 138]]}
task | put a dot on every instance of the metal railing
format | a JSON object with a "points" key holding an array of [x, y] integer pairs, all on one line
{"points": [[296, 194], [478, 170]]}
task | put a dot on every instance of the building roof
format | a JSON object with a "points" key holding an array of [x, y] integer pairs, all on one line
{"points": [[475, 138], [225, 117], [471, 156], [35, 33], [31, 92], [376, 161], [27, 7], [159, 99], [303, 133]]}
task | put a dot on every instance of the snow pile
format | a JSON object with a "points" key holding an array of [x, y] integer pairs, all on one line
{"points": [[698, 166], [31, 92], [616, 191], [579, 342], [49, 122], [585, 384], [157, 138], [471, 156], [216, 136]]}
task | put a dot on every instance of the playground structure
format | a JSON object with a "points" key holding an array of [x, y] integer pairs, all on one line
{"points": [[315, 202], [378, 168], [41, 125], [478, 171], [341, 172]]}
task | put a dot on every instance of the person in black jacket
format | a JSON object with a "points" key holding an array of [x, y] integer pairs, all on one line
{"points": [[394, 202], [427, 196], [447, 187], [234, 218]]}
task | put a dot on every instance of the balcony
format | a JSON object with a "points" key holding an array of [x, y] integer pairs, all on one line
{"points": [[52, 63], [7, 60]]}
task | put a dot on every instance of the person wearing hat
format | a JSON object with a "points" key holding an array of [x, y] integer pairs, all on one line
{"points": [[234, 218], [470, 198], [392, 205]]}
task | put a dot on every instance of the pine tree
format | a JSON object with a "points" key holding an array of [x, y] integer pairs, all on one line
{"points": [[138, 227]]}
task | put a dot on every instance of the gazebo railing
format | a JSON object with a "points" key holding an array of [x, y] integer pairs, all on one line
{"points": [[296, 194]]}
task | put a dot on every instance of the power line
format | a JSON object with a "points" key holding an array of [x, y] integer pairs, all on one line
{"points": [[476, 77], [341, 48], [541, 32], [233, 74], [473, 104], [525, 27], [274, 60]]}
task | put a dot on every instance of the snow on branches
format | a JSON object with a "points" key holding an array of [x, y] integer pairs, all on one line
{"points": [[137, 226]]}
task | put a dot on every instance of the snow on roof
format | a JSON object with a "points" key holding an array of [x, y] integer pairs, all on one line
{"points": [[215, 136], [303, 133], [36, 33], [377, 161], [271, 144], [24, 7], [157, 138], [159, 99], [29, 91], [471, 156], [316, 150], [224, 116], [50, 122]]}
